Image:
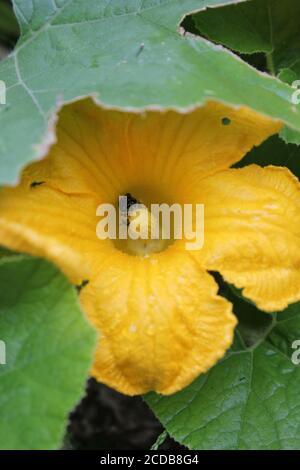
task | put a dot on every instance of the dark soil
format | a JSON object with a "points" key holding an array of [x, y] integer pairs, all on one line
{"points": [[108, 420]]}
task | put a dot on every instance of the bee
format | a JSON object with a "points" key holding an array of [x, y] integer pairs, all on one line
{"points": [[126, 201], [130, 202], [135, 213]]}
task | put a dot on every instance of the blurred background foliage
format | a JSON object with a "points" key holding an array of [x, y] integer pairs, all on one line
{"points": [[9, 28]]}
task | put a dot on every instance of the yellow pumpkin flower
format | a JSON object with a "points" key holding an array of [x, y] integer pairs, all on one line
{"points": [[160, 319]]}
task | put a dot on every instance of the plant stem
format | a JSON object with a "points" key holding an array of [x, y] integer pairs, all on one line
{"points": [[270, 63]]}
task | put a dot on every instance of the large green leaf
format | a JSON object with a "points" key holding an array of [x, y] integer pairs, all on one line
{"points": [[250, 399], [48, 353], [269, 26], [129, 53]]}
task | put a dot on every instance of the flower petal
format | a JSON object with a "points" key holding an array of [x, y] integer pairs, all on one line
{"points": [[252, 232], [107, 151], [45, 222], [161, 321]]}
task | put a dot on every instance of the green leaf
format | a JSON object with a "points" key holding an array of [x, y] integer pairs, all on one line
{"points": [[48, 353], [128, 53], [269, 26], [243, 27], [8, 24], [274, 152], [287, 76], [250, 399], [4, 252], [290, 136]]}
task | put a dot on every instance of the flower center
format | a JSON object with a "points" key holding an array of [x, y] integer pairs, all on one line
{"points": [[141, 231]]}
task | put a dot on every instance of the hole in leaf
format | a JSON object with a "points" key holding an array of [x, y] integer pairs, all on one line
{"points": [[36, 183], [226, 121]]}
